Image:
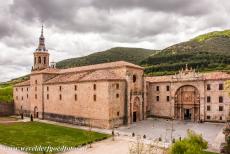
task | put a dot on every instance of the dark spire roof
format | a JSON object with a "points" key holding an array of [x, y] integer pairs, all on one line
{"points": [[41, 45]]}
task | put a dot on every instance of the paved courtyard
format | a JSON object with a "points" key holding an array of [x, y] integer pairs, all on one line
{"points": [[155, 128]]}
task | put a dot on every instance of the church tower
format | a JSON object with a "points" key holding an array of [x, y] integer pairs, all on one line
{"points": [[41, 55]]}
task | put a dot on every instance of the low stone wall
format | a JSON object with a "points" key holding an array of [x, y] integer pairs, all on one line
{"points": [[6, 109]]}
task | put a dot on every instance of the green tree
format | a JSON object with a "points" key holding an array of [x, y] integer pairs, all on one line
{"points": [[192, 144]]}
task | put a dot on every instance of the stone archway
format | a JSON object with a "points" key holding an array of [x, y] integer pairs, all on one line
{"points": [[35, 112], [136, 110], [187, 103]]}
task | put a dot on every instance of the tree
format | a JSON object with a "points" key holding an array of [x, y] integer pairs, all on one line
{"points": [[192, 144]]}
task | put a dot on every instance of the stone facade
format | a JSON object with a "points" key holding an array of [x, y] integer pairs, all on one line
{"points": [[112, 94], [189, 96]]}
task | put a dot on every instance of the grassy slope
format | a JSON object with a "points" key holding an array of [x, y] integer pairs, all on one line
{"points": [[133, 55], [6, 89], [40, 134], [206, 52]]}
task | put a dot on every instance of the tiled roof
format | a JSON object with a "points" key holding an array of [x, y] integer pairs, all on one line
{"points": [[24, 83], [47, 70], [206, 76], [101, 75], [67, 77], [100, 66]]}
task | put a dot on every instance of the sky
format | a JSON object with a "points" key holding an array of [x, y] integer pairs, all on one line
{"points": [[75, 28]]}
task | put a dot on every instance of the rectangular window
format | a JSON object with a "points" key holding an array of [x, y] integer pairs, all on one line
{"points": [[27, 95], [221, 99], [75, 87], [16, 89], [221, 87], [208, 117], [35, 88], [22, 89], [22, 97], [167, 98], [221, 118], [157, 88], [36, 82], [75, 97], [208, 87], [94, 86], [27, 89], [208, 99], [221, 108], [118, 113], [47, 96], [60, 97], [117, 86], [208, 108], [94, 97], [167, 88], [36, 96], [47, 88], [60, 88], [157, 98], [117, 95]]}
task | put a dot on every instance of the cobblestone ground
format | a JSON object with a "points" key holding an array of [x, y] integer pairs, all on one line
{"points": [[155, 128]]}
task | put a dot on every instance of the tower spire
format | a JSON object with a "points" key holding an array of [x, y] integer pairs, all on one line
{"points": [[41, 45]]}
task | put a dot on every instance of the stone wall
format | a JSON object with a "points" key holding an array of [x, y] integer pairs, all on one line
{"points": [[6, 109]]}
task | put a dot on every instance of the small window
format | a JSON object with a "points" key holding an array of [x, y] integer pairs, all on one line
{"points": [[16, 89], [208, 87], [22, 98], [47, 96], [221, 118], [117, 95], [221, 108], [36, 81], [221, 99], [157, 98], [221, 87], [22, 89], [75, 97], [35, 88], [27, 89], [118, 113], [167, 98], [157, 88], [36, 96], [27, 96], [117, 86], [60, 97], [208, 99], [60, 88], [75, 87], [47, 88], [167, 88], [94, 86], [208, 117], [44, 59], [208, 108], [134, 78], [94, 97]]}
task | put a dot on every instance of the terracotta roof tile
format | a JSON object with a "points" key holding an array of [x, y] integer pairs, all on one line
{"points": [[24, 83]]}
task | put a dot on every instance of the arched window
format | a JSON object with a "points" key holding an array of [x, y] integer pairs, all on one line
{"points": [[44, 60], [39, 60], [134, 78]]}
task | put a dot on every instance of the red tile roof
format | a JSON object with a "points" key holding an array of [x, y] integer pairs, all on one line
{"points": [[24, 83]]}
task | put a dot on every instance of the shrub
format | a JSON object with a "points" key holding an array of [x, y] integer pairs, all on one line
{"points": [[192, 144]]}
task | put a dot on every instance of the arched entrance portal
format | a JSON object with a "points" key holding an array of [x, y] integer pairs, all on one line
{"points": [[136, 110], [35, 112], [187, 103]]}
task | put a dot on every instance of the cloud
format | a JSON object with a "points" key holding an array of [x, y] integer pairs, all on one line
{"points": [[76, 28]]}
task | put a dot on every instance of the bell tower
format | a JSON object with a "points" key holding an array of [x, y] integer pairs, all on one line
{"points": [[41, 55]]}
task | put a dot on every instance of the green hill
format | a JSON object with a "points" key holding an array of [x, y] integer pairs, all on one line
{"points": [[133, 55], [207, 52]]}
